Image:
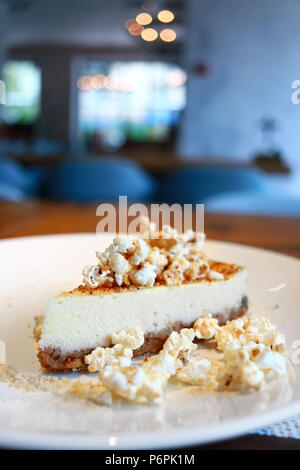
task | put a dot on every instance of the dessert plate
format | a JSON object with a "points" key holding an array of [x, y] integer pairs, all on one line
{"points": [[34, 269]]}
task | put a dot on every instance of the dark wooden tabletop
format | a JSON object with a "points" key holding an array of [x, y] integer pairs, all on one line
{"points": [[280, 234], [272, 233]]}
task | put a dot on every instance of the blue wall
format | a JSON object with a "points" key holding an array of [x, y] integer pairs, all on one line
{"points": [[254, 50]]}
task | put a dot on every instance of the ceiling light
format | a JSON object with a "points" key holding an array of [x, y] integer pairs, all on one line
{"points": [[144, 19], [135, 29], [168, 35], [149, 34], [165, 16]]}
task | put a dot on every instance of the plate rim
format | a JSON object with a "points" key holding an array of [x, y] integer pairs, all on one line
{"points": [[196, 436]]}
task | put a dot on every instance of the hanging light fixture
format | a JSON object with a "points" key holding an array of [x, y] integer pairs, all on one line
{"points": [[165, 16], [144, 19], [149, 34], [168, 35], [135, 29]]}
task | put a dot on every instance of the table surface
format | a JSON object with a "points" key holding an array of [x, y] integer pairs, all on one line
{"points": [[272, 233]]}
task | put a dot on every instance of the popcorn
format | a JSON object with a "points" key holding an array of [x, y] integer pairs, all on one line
{"points": [[120, 245], [261, 329], [164, 362], [119, 266], [166, 256], [140, 253], [157, 260], [231, 335], [206, 327], [117, 374], [240, 376], [195, 372], [101, 357], [196, 270], [272, 363], [172, 276], [92, 277], [153, 386], [132, 383], [180, 345], [120, 354], [253, 349], [144, 277], [124, 382], [120, 261], [159, 368], [253, 352], [132, 339], [235, 356], [96, 360], [254, 330]]}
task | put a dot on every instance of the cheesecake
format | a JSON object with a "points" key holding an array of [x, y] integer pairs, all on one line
{"points": [[160, 284], [77, 322]]}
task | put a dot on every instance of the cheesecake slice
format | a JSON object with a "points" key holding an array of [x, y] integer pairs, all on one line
{"points": [[160, 281], [76, 322]]}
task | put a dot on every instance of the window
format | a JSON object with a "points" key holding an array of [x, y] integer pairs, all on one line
{"points": [[129, 101], [23, 86]]}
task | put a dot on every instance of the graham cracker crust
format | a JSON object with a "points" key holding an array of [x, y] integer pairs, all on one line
{"points": [[53, 359]]}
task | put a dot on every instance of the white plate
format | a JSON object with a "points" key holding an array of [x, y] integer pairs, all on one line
{"points": [[36, 268]]}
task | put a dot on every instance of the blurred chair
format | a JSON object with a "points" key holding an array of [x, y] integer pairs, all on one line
{"points": [[102, 179], [13, 147], [25, 180], [11, 193], [41, 147], [194, 185], [253, 203]]}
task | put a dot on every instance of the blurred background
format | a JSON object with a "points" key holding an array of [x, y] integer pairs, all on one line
{"points": [[185, 101]]}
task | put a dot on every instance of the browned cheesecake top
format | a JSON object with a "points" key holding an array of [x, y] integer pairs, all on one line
{"points": [[226, 269]]}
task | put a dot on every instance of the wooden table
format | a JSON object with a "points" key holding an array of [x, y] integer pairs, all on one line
{"points": [[39, 218], [278, 234]]}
